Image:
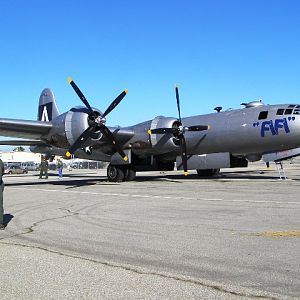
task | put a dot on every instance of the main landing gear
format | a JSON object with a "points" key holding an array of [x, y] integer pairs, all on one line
{"points": [[208, 172], [120, 173]]}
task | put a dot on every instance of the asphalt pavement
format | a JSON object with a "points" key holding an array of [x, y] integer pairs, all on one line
{"points": [[163, 236]]}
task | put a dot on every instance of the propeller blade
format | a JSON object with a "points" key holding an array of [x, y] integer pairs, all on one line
{"points": [[198, 128], [80, 94], [80, 141], [114, 142], [115, 103], [183, 155], [162, 130], [178, 103]]}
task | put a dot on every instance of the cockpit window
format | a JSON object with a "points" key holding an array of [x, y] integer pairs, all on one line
{"points": [[296, 111], [263, 115], [280, 111], [288, 111], [292, 109]]}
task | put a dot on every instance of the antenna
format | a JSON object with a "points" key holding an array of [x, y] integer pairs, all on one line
{"points": [[218, 108]]}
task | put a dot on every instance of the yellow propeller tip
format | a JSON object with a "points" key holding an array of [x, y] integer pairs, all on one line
{"points": [[185, 173], [68, 154], [149, 131], [209, 127], [126, 91], [125, 158], [69, 79], [176, 85]]}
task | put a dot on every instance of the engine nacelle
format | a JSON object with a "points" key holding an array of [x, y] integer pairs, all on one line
{"points": [[164, 143], [69, 126]]}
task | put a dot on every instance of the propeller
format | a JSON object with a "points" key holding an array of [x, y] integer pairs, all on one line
{"points": [[179, 132], [96, 122]]}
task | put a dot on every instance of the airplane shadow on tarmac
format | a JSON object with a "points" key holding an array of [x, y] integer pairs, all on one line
{"points": [[76, 181], [66, 181]]}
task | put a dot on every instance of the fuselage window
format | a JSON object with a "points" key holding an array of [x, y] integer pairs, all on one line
{"points": [[263, 115], [288, 111], [292, 105], [280, 111]]}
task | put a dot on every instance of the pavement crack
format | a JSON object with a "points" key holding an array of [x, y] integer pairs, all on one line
{"points": [[30, 229], [141, 272]]}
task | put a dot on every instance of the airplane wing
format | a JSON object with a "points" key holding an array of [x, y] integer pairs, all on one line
{"points": [[24, 128], [21, 143]]}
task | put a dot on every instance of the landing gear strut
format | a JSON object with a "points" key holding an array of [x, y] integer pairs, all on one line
{"points": [[120, 173]]}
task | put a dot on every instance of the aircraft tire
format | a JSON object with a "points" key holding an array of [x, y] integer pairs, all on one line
{"points": [[129, 174], [208, 172], [115, 173]]}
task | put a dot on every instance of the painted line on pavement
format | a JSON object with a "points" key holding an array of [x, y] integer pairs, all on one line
{"points": [[157, 196]]}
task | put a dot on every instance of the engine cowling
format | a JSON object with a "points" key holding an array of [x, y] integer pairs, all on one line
{"points": [[70, 125], [164, 143]]}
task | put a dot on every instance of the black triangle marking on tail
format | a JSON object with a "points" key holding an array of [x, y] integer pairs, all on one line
{"points": [[45, 112]]}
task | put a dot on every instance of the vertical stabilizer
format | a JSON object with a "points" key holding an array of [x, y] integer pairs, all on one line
{"points": [[47, 106]]}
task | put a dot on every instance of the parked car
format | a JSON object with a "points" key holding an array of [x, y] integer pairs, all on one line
{"points": [[30, 166], [15, 169]]}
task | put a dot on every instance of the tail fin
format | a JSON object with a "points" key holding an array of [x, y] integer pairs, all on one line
{"points": [[47, 106]]}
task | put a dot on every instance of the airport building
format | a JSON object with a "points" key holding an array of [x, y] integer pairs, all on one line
{"points": [[20, 156]]}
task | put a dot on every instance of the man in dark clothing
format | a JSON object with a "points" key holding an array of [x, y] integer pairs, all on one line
{"points": [[2, 226], [44, 168]]}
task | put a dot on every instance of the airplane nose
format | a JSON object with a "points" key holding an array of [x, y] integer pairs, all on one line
{"points": [[294, 123]]}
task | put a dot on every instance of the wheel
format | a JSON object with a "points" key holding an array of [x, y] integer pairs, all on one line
{"points": [[115, 173], [208, 172], [10, 172], [25, 172], [129, 174]]}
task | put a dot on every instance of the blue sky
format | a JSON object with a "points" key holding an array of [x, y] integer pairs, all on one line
{"points": [[220, 52]]}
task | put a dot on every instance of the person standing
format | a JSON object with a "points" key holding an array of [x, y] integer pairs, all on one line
{"points": [[60, 166], [2, 226], [44, 167]]}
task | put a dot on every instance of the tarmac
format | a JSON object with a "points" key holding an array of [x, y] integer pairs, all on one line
{"points": [[163, 236]]}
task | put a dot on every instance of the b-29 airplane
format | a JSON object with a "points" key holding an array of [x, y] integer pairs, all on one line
{"points": [[205, 143]]}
